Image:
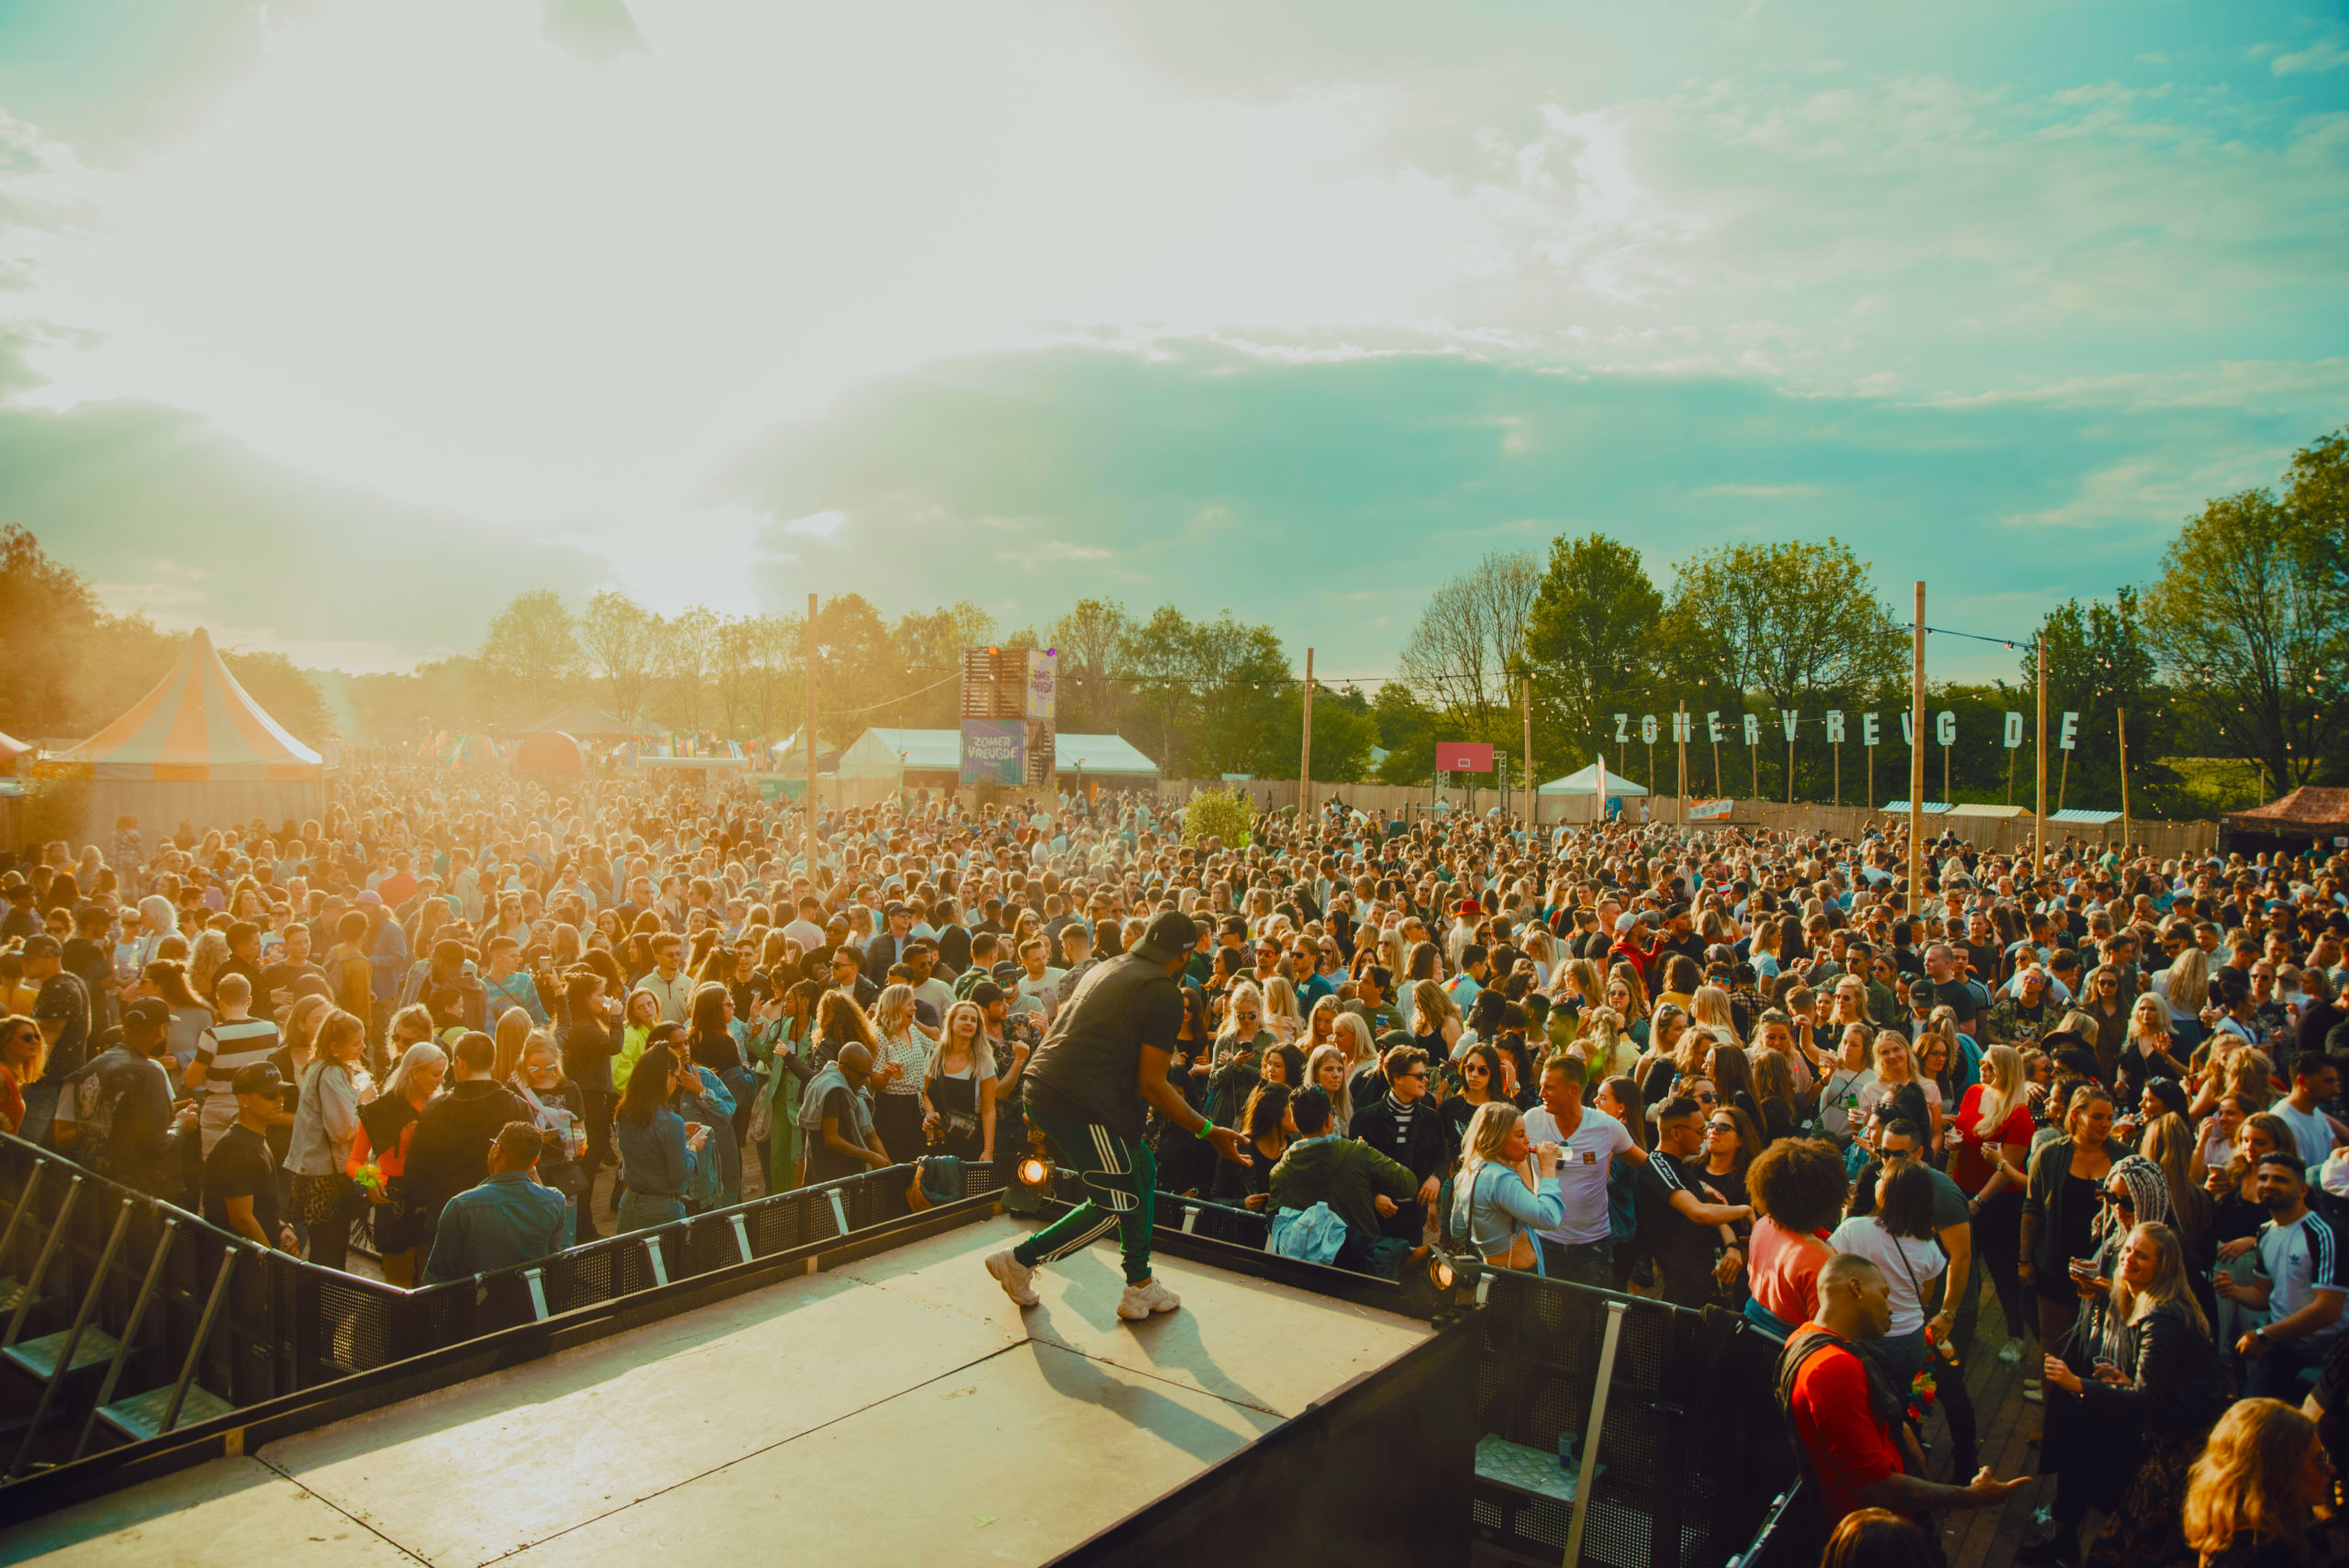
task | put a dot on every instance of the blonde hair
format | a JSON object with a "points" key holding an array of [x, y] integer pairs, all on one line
{"points": [[513, 1035], [1431, 1005], [2249, 1072], [1358, 1045], [2002, 1089], [1709, 1008], [1487, 1135], [2169, 1283], [1280, 1001], [1245, 990], [2189, 981], [1890, 1037], [2247, 1470], [893, 1010]]}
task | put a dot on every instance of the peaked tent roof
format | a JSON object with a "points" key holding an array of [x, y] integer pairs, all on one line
{"points": [[198, 726], [582, 722], [2307, 809], [1587, 782], [11, 748]]}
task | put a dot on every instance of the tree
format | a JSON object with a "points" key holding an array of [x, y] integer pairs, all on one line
{"points": [[1219, 814], [2097, 661], [1467, 654], [1593, 626], [530, 650], [2247, 618], [284, 693], [1094, 639], [616, 634], [1406, 733], [47, 614], [1795, 623], [684, 645], [1343, 733]]}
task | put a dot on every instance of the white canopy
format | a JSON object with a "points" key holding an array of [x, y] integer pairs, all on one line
{"points": [[883, 753], [1587, 782]]}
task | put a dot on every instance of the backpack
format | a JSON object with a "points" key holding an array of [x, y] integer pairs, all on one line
{"points": [[1313, 1235]]}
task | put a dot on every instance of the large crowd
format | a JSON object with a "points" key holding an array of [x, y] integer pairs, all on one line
{"points": [[469, 1021]]}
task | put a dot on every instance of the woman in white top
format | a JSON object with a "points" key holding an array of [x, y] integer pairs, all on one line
{"points": [[897, 1073], [1840, 1089], [1899, 1239], [1895, 1066]]}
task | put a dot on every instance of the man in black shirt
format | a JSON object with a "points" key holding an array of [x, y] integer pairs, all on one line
{"points": [[1086, 1087], [1402, 1125], [89, 958], [240, 1173], [61, 1007], [116, 1119], [1678, 1228]]}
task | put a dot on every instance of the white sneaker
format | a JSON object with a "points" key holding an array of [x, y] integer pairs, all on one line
{"points": [[1141, 1300], [1014, 1277], [2010, 1353]]}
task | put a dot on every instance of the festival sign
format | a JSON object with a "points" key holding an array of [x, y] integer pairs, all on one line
{"points": [[1464, 756], [995, 751]]}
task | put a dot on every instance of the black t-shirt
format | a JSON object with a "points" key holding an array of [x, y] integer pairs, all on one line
{"points": [[93, 966], [1682, 1249], [1089, 1066], [121, 1106], [241, 1165], [62, 995], [1958, 997]]}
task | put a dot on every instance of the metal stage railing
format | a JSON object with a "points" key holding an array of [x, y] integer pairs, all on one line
{"points": [[127, 1317]]}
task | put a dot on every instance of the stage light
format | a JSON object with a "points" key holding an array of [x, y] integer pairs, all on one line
{"points": [[1034, 1173]]}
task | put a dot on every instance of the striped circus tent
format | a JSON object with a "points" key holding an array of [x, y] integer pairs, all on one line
{"points": [[198, 749]]}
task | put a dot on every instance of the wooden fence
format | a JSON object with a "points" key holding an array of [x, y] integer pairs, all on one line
{"points": [[1995, 834]]}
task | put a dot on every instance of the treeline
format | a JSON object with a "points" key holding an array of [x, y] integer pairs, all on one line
{"points": [[2236, 650], [68, 667]]}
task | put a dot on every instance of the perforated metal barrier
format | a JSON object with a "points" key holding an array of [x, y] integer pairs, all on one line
{"points": [[1691, 1453], [111, 1298]]}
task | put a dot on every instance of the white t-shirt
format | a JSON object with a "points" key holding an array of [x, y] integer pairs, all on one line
{"points": [[1584, 1161], [2303, 1259], [1908, 1265], [2310, 1128], [1838, 1099], [1038, 995]]}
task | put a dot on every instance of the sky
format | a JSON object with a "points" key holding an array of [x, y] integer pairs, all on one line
{"points": [[330, 326]]}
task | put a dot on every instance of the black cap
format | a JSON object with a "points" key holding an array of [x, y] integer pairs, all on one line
{"points": [[1170, 934], [150, 1011], [257, 1078]]}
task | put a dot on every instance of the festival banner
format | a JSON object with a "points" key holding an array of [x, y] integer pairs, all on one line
{"points": [[995, 751]]}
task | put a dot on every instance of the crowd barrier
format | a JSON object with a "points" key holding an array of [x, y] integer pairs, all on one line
{"points": [[1690, 1454], [127, 1317]]}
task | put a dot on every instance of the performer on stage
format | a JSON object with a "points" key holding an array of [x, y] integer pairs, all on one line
{"points": [[1104, 1059]]}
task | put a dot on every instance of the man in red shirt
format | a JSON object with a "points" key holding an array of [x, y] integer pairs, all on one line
{"points": [[1858, 1452]]}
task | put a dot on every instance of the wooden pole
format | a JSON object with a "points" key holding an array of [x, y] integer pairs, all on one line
{"points": [[2063, 781], [2039, 814], [1680, 778], [807, 741], [1304, 751], [2121, 715], [1790, 770], [1917, 762], [1838, 772], [1532, 800]]}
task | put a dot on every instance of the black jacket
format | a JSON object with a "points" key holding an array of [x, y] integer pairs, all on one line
{"points": [[450, 1152], [1424, 1150]]}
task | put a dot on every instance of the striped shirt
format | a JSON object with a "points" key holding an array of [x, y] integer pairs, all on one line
{"points": [[2302, 1259], [224, 1048]]}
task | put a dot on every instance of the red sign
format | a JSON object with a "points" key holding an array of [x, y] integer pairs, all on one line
{"points": [[1464, 756]]}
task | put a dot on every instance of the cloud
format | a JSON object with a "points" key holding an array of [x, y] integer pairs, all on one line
{"points": [[2326, 54], [1179, 475]]}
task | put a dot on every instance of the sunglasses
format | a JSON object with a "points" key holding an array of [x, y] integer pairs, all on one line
{"points": [[1709, 1098], [1721, 1127]]}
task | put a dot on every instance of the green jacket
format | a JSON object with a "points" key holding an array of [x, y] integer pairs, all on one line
{"points": [[1344, 1175]]}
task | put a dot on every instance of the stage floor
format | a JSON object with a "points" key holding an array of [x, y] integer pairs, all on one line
{"points": [[891, 1410]]}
